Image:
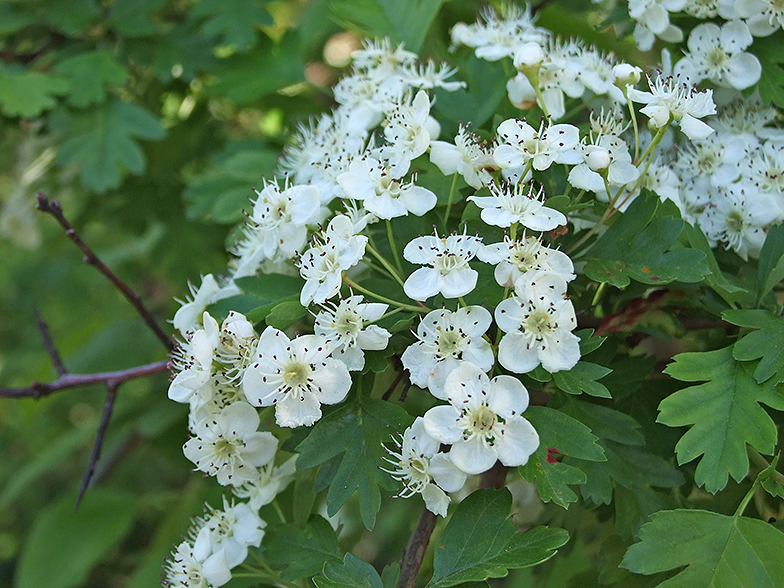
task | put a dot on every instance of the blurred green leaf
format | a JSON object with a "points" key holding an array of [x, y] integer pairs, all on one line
{"points": [[481, 542], [133, 17], [27, 94], [14, 17], [724, 412], [102, 142], [357, 428], [715, 549], [302, 552], [285, 314], [403, 21], [237, 22], [89, 74], [70, 16], [64, 546], [351, 573]]}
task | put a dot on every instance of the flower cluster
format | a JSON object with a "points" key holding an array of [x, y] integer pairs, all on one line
{"points": [[349, 224]]}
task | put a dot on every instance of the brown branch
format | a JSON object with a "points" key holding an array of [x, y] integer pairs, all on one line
{"points": [[66, 381], [53, 208], [49, 344], [495, 477], [25, 58], [111, 396], [415, 550]]}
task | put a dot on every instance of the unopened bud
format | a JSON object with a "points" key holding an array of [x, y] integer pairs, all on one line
{"points": [[625, 74], [529, 57], [599, 159]]}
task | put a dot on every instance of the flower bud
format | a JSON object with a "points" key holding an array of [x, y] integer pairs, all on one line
{"points": [[529, 57], [599, 159], [624, 74]]}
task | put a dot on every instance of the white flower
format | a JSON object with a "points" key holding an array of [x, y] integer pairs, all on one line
{"points": [[423, 470], [272, 480], [185, 318], [344, 328], [715, 159], [606, 157], [296, 376], [193, 359], [653, 18], [229, 447], [717, 54], [446, 339], [383, 193], [523, 144], [407, 133], [430, 76], [538, 321], [277, 227], [512, 205], [323, 264], [498, 36], [466, 157], [483, 422], [230, 530], [526, 254], [764, 17], [673, 100], [450, 274], [184, 570]]}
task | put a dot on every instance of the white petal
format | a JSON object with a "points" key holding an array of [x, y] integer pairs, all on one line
{"points": [[515, 354], [441, 424], [445, 474], [517, 443], [473, 456], [423, 284], [508, 397]]}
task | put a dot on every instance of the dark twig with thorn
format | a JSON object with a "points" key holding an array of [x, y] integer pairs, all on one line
{"points": [[49, 344], [416, 548], [111, 396], [53, 207]]}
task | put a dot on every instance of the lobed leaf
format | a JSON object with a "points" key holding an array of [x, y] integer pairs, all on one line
{"points": [[351, 573], [302, 552], [717, 550], [765, 344], [724, 413], [481, 542]]}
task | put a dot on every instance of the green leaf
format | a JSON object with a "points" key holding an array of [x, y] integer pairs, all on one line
{"points": [[772, 480], [766, 343], [302, 552], [403, 21], [63, 545], [358, 428], [636, 248], [770, 270], [270, 287], [102, 142], [89, 74], [27, 94], [132, 17], [582, 378], [14, 17], [236, 21], [725, 414], [770, 53], [481, 542], [552, 477], [718, 550], [182, 48], [485, 89], [265, 70], [565, 434], [559, 434], [285, 314], [352, 573], [730, 291], [70, 16]]}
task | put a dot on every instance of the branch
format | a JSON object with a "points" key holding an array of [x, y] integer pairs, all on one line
{"points": [[415, 550], [65, 381], [25, 58], [111, 396], [53, 208], [49, 344]]}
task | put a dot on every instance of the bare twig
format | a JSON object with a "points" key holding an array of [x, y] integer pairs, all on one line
{"points": [[49, 344], [415, 550], [64, 382], [495, 477], [25, 58], [111, 396], [53, 208]]}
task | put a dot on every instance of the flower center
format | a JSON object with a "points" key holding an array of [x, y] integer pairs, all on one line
{"points": [[450, 343], [479, 421], [348, 325], [717, 58], [537, 324], [296, 374], [225, 450]]}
